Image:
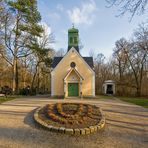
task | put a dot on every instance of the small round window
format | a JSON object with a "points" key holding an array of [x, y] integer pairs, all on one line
{"points": [[73, 64]]}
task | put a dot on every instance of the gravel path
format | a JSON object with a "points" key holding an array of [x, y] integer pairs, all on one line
{"points": [[127, 126]]}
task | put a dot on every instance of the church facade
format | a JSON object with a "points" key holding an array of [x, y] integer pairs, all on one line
{"points": [[73, 75]]}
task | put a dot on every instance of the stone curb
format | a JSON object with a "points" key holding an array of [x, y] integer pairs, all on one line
{"points": [[69, 131]]}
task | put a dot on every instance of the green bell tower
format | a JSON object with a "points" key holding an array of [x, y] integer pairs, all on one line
{"points": [[73, 38]]}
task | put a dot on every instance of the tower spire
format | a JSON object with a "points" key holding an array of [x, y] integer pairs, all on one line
{"points": [[73, 38]]}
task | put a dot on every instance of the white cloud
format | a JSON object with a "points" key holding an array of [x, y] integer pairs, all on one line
{"points": [[60, 7], [84, 14], [54, 16], [46, 27], [64, 32], [47, 32]]}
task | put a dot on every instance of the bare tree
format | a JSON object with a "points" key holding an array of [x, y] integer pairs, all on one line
{"points": [[2, 14], [100, 69], [19, 33], [135, 7], [60, 53], [120, 57], [134, 55], [42, 58]]}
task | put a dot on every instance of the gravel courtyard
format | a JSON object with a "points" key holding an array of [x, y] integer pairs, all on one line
{"points": [[126, 127]]}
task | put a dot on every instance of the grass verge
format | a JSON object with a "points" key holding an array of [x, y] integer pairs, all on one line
{"points": [[4, 99], [138, 101], [134, 100]]}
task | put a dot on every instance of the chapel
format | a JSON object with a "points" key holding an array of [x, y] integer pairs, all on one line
{"points": [[73, 75]]}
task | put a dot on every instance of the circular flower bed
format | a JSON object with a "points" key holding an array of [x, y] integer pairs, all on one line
{"points": [[70, 118]]}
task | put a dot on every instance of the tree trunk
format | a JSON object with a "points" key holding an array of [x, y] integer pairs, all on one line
{"points": [[138, 93], [33, 80], [38, 81], [15, 77], [15, 68], [34, 76]]}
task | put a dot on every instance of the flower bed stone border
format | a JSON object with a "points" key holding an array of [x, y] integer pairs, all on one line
{"points": [[70, 131]]}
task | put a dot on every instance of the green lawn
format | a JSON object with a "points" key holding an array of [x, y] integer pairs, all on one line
{"points": [[135, 100], [138, 101], [4, 99]]}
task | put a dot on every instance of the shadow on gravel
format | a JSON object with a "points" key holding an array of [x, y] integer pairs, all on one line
{"points": [[29, 120], [125, 113]]}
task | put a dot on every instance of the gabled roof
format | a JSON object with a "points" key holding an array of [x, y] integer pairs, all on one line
{"points": [[88, 60], [55, 61], [76, 47], [73, 69]]}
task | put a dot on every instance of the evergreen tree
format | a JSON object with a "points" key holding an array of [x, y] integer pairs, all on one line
{"points": [[21, 31]]}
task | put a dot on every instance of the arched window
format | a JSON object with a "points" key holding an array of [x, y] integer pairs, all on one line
{"points": [[75, 40], [71, 39]]}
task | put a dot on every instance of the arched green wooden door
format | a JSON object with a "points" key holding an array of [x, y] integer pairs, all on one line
{"points": [[73, 89]]}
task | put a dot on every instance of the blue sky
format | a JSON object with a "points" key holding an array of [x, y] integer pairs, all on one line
{"points": [[99, 28]]}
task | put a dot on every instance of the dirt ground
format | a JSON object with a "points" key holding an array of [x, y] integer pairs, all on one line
{"points": [[126, 127]]}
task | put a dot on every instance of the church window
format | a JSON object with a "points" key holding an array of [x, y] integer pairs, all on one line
{"points": [[71, 40], [73, 64], [75, 40]]}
